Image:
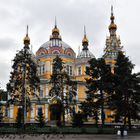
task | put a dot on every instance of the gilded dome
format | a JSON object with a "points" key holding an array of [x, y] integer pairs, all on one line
{"points": [[26, 38], [55, 29], [112, 26], [85, 40], [85, 53]]}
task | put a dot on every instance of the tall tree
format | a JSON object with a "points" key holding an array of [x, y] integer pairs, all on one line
{"points": [[59, 80], [98, 85], [24, 81], [125, 100]]}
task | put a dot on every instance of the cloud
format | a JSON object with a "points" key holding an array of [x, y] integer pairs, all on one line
{"points": [[7, 44], [71, 15], [4, 74], [133, 53]]}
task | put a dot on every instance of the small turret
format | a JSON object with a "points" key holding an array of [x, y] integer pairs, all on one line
{"points": [[55, 30], [26, 39], [112, 27], [85, 40], [113, 43], [85, 53]]}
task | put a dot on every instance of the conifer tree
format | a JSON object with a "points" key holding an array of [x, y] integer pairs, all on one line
{"points": [[125, 100], [98, 85], [23, 77], [24, 80], [59, 79], [40, 117]]}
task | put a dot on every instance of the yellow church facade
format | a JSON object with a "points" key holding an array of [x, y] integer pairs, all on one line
{"points": [[75, 66]]}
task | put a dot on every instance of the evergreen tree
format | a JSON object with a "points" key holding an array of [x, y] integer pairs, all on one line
{"points": [[98, 85], [59, 79], [40, 117], [24, 81], [19, 118], [125, 100]]}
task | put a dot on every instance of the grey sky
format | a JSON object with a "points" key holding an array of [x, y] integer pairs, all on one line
{"points": [[71, 15]]}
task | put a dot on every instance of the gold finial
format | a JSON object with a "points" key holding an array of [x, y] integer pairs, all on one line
{"points": [[84, 30], [55, 22], [26, 38], [85, 40], [112, 24], [55, 29], [111, 9], [27, 30], [112, 15]]}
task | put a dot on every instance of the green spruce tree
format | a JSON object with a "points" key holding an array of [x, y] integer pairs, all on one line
{"points": [[24, 80], [59, 79], [98, 86], [125, 99]]}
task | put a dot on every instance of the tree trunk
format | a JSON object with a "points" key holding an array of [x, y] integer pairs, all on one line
{"points": [[102, 109]]}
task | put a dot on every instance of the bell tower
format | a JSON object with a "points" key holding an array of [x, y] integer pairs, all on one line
{"points": [[113, 42]]}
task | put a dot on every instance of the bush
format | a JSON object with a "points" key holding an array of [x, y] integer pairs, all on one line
{"points": [[77, 120]]}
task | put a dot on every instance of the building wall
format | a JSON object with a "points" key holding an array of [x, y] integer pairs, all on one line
{"points": [[45, 88]]}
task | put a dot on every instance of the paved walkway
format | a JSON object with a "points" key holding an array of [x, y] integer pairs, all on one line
{"points": [[67, 137]]}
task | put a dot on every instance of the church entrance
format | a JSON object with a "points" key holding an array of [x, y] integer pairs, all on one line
{"points": [[56, 109], [55, 112]]}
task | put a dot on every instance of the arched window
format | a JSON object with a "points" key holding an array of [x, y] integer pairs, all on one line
{"points": [[55, 52]]}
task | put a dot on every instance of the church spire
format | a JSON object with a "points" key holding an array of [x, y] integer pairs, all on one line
{"points": [[85, 53], [55, 22], [85, 40], [26, 39], [112, 27], [55, 30], [113, 43]]}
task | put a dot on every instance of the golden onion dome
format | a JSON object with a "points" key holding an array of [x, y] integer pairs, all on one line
{"points": [[112, 26], [55, 29], [85, 40], [26, 39]]}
